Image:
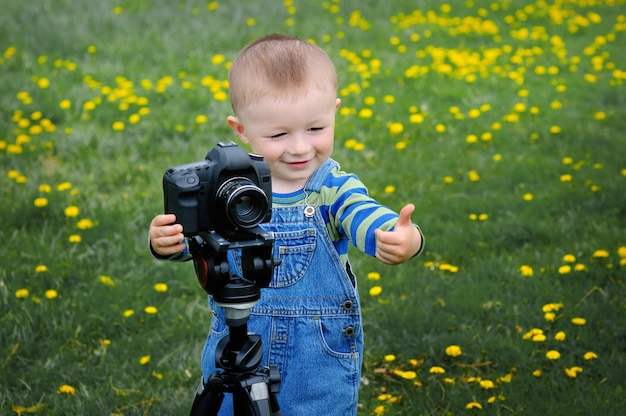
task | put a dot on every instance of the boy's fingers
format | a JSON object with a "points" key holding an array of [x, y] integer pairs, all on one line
{"points": [[164, 219], [404, 218]]}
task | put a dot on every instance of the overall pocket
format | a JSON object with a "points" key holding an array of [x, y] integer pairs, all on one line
{"points": [[295, 250]]}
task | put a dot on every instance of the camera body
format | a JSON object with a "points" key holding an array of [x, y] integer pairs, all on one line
{"points": [[229, 192]]}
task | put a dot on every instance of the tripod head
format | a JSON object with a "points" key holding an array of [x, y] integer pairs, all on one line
{"points": [[209, 251], [236, 294]]}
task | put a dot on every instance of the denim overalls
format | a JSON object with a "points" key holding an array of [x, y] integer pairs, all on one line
{"points": [[309, 318]]}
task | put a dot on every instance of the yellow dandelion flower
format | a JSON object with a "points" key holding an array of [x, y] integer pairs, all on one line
{"points": [[555, 129], [66, 389], [65, 104], [51, 294], [473, 176], [396, 128], [473, 113], [201, 119], [144, 360], [150, 310], [448, 179], [366, 113], [435, 369], [75, 238], [473, 405], [565, 269], [118, 126], [389, 189], [566, 178], [106, 280], [440, 128], [590, 355], [553, 355], [448, 267], [599, 115], [528, 196], [601, 253], [579, 321], [64, 186], [537, 373], [379, 410], [71, 211], [390, 357], [160, 287], [218, 59], [128, 313], [550, 307], [376, 291], [373, 276], [416, 118], [526, 270], [532, 333], [569, 258], [549, 316], [41, 268], [41, 202], [539, 338], [43, 83], [487, 384], [84, 224], [560, 336], [21, 293], [453, 350], [572, 372]]}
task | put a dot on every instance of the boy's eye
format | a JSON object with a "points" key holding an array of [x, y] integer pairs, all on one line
{"points": [[316, 128], [276, 136]]}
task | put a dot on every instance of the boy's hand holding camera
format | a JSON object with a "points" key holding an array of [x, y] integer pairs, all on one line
{"points": [[166, 237]]}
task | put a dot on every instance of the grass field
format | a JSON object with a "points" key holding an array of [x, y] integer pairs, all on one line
{"points": [[502, 121]]}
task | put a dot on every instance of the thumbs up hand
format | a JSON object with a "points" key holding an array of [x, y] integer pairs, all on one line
{"points": [[400, 244]]}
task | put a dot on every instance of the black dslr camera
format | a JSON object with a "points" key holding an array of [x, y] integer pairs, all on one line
{"points": [[220, 203], [229, 192]]}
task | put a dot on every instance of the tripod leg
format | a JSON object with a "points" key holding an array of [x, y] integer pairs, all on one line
{"points": [[209, 398]]}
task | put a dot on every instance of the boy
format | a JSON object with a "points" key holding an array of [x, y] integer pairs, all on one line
{"points": [[283, 92]]}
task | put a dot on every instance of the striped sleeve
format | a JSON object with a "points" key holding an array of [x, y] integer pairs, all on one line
{"points": [[353, 213]]}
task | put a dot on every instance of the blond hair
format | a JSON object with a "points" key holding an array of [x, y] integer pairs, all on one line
{"points": [[279, 66]]}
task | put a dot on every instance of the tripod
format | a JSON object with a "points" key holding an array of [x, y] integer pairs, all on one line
{"points": [[238, 354]]}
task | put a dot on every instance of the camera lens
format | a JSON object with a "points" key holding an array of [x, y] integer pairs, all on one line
{"points": [[244, 203]]}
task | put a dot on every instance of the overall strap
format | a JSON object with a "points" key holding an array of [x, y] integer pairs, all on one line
{"points": [[315, 182]]}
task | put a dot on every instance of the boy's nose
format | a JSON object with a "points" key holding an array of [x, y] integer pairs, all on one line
{"points": [[299, 145]]}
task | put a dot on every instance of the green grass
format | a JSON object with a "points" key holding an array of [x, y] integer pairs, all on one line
{"points": [[546, 83]]}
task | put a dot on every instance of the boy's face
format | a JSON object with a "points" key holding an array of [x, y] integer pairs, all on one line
{"points": [[294, 135]]}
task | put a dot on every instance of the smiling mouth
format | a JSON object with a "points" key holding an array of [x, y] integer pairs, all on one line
{"points": [[298, 165]]}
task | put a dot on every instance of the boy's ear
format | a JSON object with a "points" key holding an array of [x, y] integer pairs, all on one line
{"points": [[234, 124], [337, 104]]}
